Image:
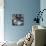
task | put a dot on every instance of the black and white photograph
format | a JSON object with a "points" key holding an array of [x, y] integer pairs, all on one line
{"points": [[17, 19]]}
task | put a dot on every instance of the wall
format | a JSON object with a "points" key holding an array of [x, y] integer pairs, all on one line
{"points": [[1, 20], [43, 6], [26, 7]]}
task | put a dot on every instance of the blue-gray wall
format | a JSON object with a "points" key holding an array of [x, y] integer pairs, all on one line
{"points": [[26, 7]]}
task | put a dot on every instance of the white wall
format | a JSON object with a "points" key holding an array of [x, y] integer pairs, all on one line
{"points": [[1, 20], [43, 6]]}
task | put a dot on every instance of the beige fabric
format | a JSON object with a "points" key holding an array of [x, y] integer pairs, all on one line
{"points": [[39, 33], [39, 37]]}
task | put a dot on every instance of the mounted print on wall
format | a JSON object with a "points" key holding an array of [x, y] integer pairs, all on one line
{"points": [[17, 19]]}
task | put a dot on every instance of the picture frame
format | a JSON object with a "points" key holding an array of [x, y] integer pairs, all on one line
{"points": [[17, 19]]}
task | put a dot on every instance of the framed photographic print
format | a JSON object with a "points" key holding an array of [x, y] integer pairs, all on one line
{"points": [[17, 19]]}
